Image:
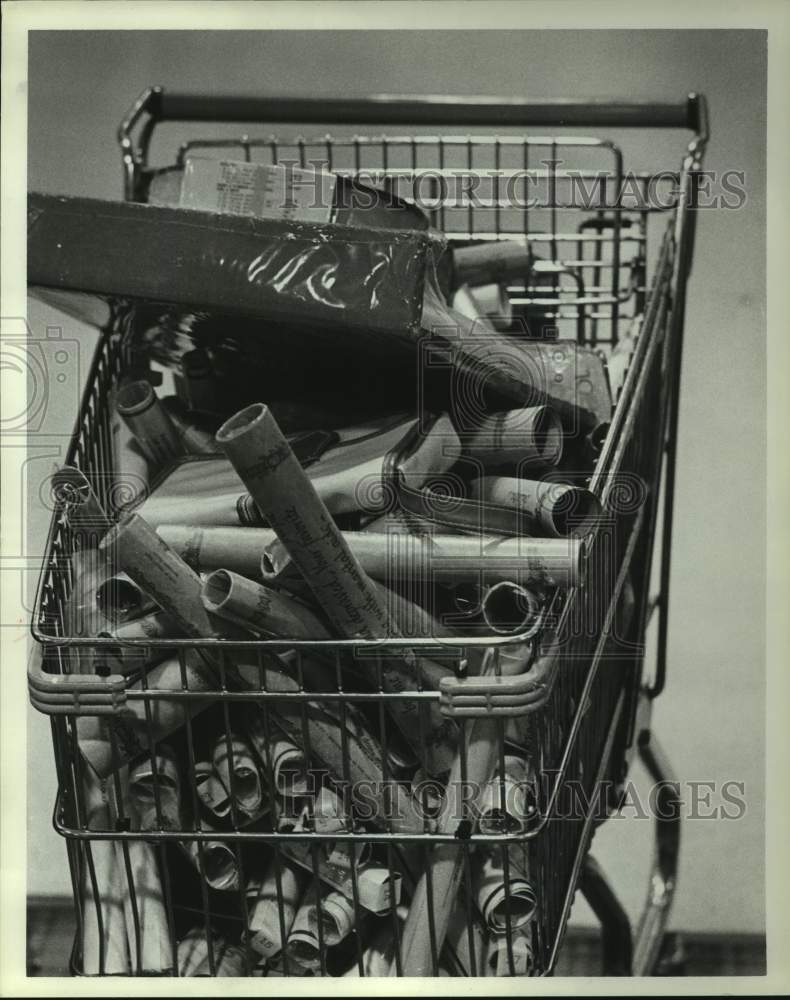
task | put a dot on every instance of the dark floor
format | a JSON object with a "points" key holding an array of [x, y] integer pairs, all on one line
{"points": [[50, 928]]}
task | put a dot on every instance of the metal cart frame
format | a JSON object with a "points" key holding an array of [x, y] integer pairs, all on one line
{"points": [[586, 719]]}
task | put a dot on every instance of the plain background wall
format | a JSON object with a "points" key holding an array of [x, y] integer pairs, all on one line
{"points": [[711, 717]]}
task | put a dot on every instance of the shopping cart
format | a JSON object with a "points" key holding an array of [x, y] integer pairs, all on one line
{"points": [[603, 270]]}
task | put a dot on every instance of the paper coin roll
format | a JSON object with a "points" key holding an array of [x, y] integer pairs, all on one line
{"points": [[150, 423], [554, 509], [284, 493]]}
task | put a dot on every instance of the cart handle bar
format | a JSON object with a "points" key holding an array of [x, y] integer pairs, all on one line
{"points": [[390, 109]]}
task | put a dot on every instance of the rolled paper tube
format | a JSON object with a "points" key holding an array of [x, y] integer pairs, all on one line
{"points": [[325, 816], [504, 802], [498, 955], [497, 895], [448, 558], [510, 609], [335, 914], [127, 732], [401, 521], [354, 756], [302, 945], [510, 659], [195, 440], [153, 781], [272, 912], [119, 598], [149, 938], [378, 956], [205, 549], [260, 609], [219, 510], [82, 616], [493, 301], [220, 865], [238, 771], [515, 659], [437, 894], [286, 761], [161, 573], [276, 967], [528, 437], [438, 451], [103, 886], [147, 419], [128, 659], [457, 940], [329, 816], [410, 618], [290, 768], [555, 509], [144, 920], [490, 263], [428, 792], [129, 464], [81, 507], [211, 790], [199, 383], [282, 490]]}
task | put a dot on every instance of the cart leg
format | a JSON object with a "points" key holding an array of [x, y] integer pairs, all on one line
{"points": [[615, 925], [666, 803]]}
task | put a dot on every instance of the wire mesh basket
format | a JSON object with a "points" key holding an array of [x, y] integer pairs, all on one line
{"points": [[336, 867]]}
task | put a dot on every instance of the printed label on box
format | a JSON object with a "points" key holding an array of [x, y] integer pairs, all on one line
{"points": [[257, 189]]}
